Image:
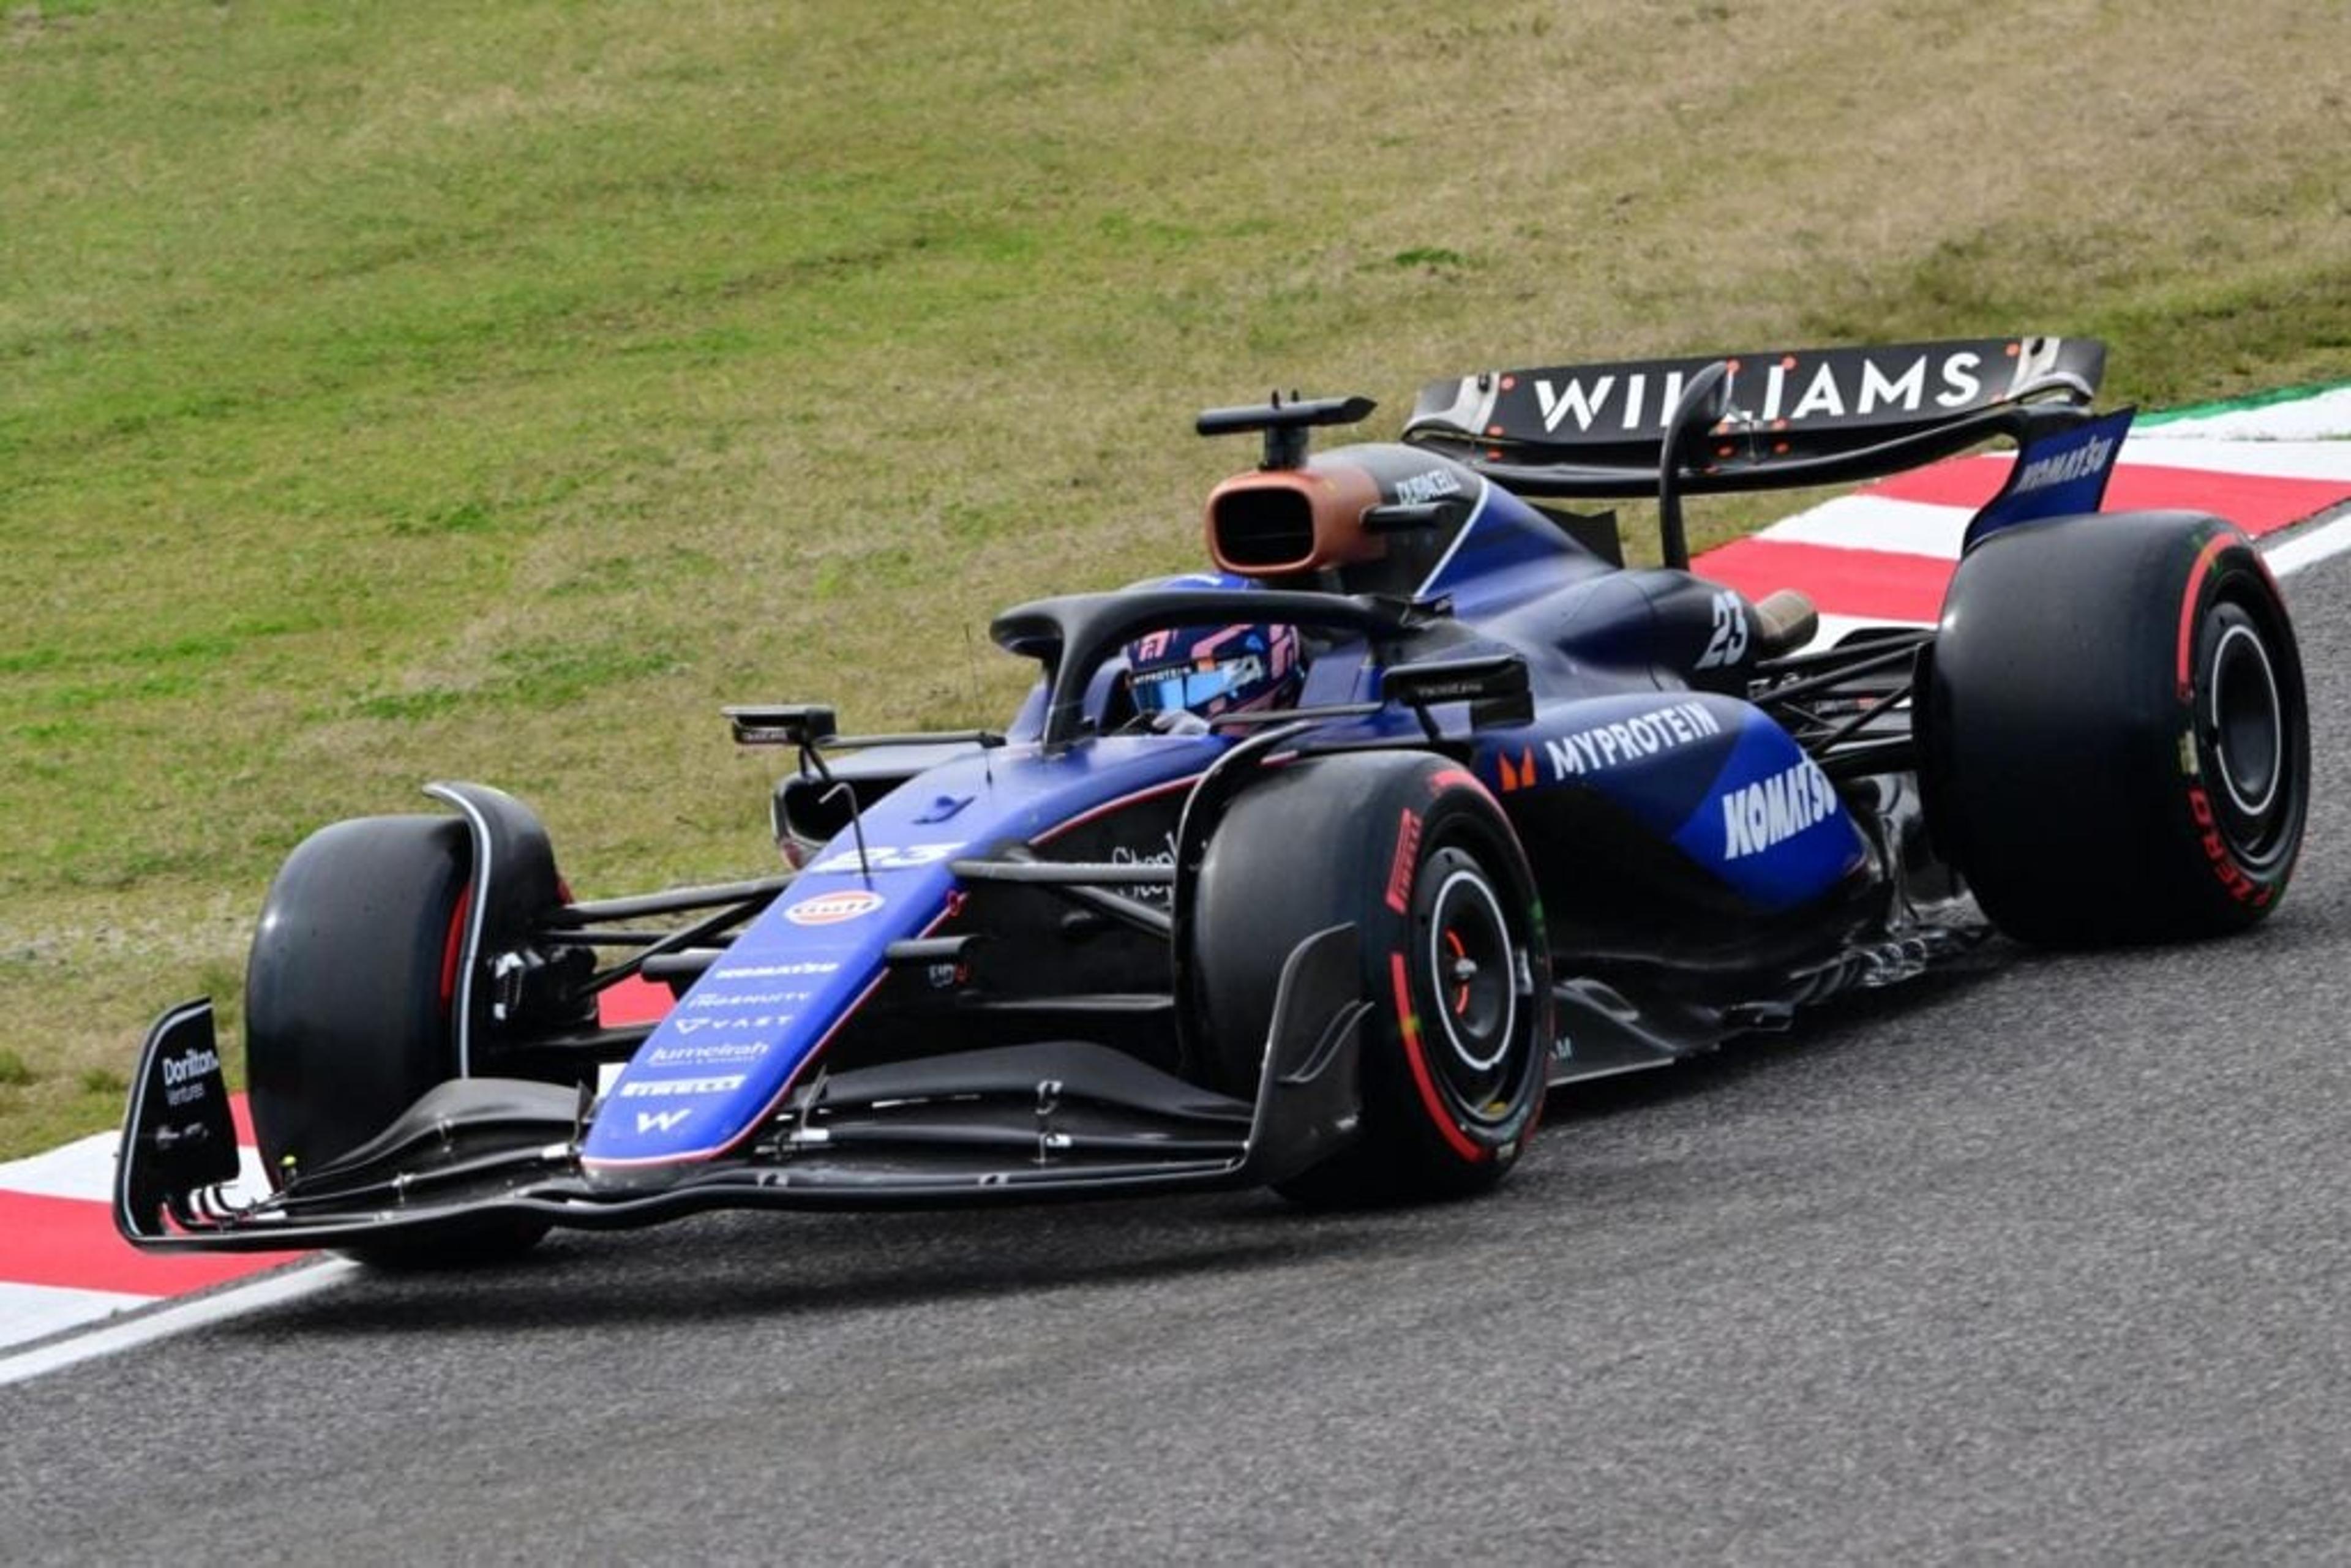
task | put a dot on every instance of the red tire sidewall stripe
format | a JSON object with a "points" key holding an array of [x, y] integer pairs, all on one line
{"points": [[1408, 1025], [2196, 575], [455, 946], [2239, 880]]}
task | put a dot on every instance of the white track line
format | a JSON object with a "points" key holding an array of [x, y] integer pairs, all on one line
{"points": [[2318, 460], [297, 1281], [180, 1317], [82, 1169], [42, 1312], [2308, 549], [2328, 413], [2329, 538], [1877, 522]]}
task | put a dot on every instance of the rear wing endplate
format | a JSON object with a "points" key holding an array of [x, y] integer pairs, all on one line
{"points": [[2057, 474]]}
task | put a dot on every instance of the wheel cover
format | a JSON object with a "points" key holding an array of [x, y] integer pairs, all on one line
{"points": [[2241, 724], [2247, 720], [1469, 985]]}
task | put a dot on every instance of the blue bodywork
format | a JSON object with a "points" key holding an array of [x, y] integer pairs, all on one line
{"points": [[1708, 774], [740, 1037]]}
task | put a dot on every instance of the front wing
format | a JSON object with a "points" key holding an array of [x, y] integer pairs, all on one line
{"points": [[1056, 1119]]}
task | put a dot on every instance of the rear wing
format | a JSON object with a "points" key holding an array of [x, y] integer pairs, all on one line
{"points": [[1753, 422], [1779, 419]]}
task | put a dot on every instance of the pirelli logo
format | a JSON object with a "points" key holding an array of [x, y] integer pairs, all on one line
{"points": [[1400, 869]]}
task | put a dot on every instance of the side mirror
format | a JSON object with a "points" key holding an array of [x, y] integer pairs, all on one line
{"points": [[1495, 685], [782, 724]]}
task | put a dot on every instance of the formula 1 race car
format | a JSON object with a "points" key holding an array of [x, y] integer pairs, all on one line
{"points": [[1312, 872]]}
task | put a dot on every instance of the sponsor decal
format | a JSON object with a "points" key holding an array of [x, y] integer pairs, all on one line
{"points": [[834, 908], [191, 1063], [887, 857], [1590, 404], [185, 1075], [1775, 810], [1516, 774], [764, 1020], [1429, 486], [711, 1053], [2066, 467], [1147, 893], [1408, 847], [663, 1121], [1842, 386], [1633, 739], [776, 971], [749, 998], [667, 1088]]}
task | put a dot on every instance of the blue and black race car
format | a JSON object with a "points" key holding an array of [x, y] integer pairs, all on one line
{"points": [[1315, 871]]}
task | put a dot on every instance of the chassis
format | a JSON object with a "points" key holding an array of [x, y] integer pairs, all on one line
{"points": [[1537, 817]]}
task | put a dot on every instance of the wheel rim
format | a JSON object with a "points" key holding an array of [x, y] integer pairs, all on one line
{"points": [[2247, 721], [2242, 727], [1470, 967]]}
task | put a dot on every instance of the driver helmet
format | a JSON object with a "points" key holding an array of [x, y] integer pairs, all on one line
{"points": [[1209, 671]]}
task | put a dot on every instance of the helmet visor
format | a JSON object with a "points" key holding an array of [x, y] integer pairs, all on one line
{"points": [[1198, 690]]}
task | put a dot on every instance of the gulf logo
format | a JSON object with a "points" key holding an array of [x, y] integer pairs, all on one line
{"points": [[832, 908]]}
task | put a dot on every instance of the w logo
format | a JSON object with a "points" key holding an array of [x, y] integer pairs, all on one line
{"points": [[661, 1121]]}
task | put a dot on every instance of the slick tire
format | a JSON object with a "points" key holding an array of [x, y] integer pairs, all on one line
{"points": [[348, 999], [2115, 737], [1412, 850]]}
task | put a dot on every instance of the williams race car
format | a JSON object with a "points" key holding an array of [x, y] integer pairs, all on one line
{"points": [[1315, 871]]}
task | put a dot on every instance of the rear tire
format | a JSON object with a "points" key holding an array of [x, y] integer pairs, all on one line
{"points": [[348, 998], [1414, 851], [2116, 737]]}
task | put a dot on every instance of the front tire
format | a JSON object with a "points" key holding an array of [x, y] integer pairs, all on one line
{"points": [[347, 1005], [1414, 853], [2115, 732]]}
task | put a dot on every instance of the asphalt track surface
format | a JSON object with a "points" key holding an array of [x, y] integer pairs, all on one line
{"points": [[2045, 1261]]}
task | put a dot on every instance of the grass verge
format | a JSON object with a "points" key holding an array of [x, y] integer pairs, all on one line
{"points": [[492, 390]]}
